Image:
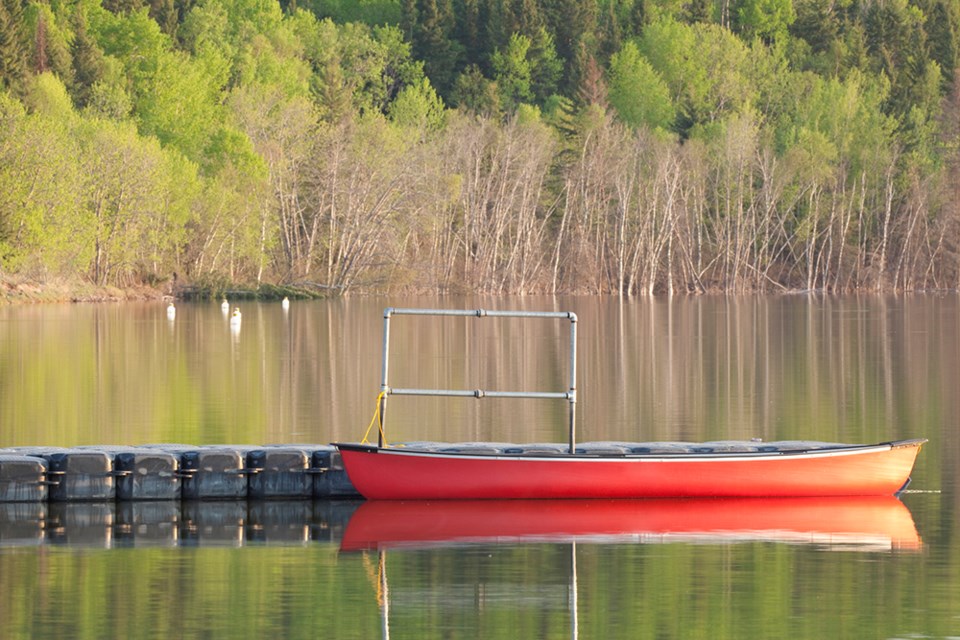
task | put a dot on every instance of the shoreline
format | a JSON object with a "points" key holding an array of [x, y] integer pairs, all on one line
{"points": [[22, 291], [16, 290]]}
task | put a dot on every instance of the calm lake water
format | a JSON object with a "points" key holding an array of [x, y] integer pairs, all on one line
{"points": [[855, 369]]}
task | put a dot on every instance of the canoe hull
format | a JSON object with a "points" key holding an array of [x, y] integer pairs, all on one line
{"points": [[405, 474]]}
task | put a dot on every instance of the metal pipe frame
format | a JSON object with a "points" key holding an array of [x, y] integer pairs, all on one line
{"points": [[569, 395]]}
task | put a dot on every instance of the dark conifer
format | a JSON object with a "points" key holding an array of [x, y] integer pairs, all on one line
{"points": [[13, 48], [88, 61]]}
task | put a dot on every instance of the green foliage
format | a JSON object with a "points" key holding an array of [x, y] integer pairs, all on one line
{"points": [[512, 72], [419, 107], [434, 44], [767, 19], [212, 137], [637, 92], [703, 65], [88, 60], [178, 104], [473, 92], [14, 52], [371, 12]]}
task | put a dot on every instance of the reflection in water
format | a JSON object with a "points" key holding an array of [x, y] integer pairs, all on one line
{"points": [[877, 523], [171, 524]]}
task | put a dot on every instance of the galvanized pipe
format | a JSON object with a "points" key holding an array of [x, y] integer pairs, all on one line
{"points": [[570, 395]]}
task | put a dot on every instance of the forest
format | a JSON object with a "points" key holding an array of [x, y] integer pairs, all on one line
{"points": [[624, 147]]}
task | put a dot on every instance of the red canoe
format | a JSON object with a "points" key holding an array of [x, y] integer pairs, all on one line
{"points": [[725, 470], [878, 522], [430, 471]]}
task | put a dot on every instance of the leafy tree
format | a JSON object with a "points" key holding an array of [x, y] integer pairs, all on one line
{"points": [[418, 107], [109, 99], [706, 85], [132, 38], [41, 214], [637, 93], [179, 104]]}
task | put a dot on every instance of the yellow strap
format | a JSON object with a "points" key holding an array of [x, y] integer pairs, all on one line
{"points": [[376, 419]]}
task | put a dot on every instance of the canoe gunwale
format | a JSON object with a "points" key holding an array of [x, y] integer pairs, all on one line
{"points": [[713, 456]]}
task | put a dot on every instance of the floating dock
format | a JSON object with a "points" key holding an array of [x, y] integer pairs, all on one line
{"points": [[108, 473]]}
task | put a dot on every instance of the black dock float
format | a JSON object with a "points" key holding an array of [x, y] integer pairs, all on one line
{"points": [[279, 473], [214, 473], [330, 478], [162, 472], [145, 474], [22, 478], [79, 475]]}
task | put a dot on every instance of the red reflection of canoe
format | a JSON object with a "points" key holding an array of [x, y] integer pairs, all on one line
{"points": [[879, 522], [398, 473]]}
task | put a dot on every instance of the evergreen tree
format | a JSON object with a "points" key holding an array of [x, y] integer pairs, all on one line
{"points": [[164, 12], [545, 67], [941, 29], [512, 72], [13, 48], [592, 90], [88, 61], [474, 93], [817, 24], [40, 62], [497, 20], [610, 32], [122, 6], [766, 19], [697, 11], [468, 30], [527, 19], [409, 18], [638, 18], [433, 44], [573, 23]]}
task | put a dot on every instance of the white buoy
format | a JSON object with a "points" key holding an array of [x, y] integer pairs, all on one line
{"points": [[285, 304], [235, 318], [225, 306], [171, 311]]}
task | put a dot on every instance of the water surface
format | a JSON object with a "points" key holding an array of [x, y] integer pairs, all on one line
{"points": [[855, 369]]}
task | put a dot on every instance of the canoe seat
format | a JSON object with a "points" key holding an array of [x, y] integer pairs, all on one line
{"points": [[602, 449]]}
